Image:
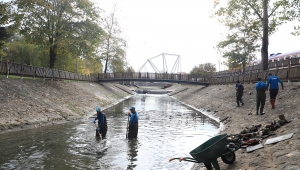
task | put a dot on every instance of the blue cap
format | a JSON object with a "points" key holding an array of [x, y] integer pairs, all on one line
{"points": [[132, 108], [98, 109]]}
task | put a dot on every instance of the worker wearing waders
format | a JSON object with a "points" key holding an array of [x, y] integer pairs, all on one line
{"points": [[133, 123], [102, 123], [261, 88], [239, 93], [273, 82]]}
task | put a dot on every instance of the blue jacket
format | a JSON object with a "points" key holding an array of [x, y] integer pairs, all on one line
{"points": [[102, 122], [273, 82], [260, 85], [134, 118]]}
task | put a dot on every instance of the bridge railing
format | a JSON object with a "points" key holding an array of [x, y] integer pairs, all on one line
{"points": [[288, 69], [10, 68], [153, 76]]}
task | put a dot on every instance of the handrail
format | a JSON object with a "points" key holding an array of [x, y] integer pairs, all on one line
{"points": [[287, 70]]}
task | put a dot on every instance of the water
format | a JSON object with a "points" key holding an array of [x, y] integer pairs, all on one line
{"points": [[166, 129]]}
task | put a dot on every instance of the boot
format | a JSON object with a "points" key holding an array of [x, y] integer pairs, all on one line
{"points": [[238, 104], [242, 102], [257, 112], [261, 111], [272, 104]]}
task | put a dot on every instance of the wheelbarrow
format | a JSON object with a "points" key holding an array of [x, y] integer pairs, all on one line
{"points": [[210, 151]]}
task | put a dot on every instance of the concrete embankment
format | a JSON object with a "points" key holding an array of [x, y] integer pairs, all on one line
{"points": [[33, 103], [220, 101]]}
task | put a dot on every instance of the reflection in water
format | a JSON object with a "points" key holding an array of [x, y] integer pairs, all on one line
{"points": [[132, 152], [166, 129]]}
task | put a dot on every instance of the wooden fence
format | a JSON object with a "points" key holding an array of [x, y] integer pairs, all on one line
{"points": [[286, 70], [285, 74], [22, 70]]}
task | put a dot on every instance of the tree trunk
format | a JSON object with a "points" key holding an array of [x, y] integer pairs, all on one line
{"points": [[106, 63], [52, 54], [107, 54], [265, 39]]}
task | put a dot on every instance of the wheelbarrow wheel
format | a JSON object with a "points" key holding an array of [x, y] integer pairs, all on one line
{"points": [[228, 156]]}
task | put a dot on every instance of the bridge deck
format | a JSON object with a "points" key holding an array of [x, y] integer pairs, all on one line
{"points": [[154, 80]]}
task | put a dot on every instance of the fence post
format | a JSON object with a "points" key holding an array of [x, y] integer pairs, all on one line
{"points": [[289, 68], [44, 73], [250, 77], [21, 75], [32, 72], [7, 70], [52, 70]]}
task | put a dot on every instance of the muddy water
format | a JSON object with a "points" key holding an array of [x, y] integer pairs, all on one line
{"points": [[166, 129]]}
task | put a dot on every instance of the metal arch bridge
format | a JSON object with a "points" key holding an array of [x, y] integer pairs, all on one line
{"points": [[153, 77], [173, 76], [176, 67]]}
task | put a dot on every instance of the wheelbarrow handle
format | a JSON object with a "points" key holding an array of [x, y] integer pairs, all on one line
{"points": [[185, 159]]}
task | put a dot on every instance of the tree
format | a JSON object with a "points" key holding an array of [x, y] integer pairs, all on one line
{"points": [[6, 28], [294, 14], [204, 70], [129, 69], [21, 52], [265, 15], [61, 26], [114, 47], [238, 49]]}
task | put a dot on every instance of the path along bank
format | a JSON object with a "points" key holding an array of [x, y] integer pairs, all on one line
{"points": [[27, 103], [220, 101]]}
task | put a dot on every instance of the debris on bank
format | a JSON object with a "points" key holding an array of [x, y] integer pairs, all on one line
{"points": [[252, 137]]}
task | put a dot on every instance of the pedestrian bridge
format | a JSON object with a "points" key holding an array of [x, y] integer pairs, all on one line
{"points": [[153, 77]]}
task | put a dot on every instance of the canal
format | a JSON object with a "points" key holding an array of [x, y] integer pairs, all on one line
{"points": [[166, 129]]}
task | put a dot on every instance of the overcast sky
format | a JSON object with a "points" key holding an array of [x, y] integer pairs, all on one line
{"points": [[181, 27]]}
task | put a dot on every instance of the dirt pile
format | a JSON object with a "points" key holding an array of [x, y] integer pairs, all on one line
{"points": [[220, 101], [32, 103]]}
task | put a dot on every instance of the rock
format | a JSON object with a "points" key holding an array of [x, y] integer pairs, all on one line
{"points": [[292, 167]]}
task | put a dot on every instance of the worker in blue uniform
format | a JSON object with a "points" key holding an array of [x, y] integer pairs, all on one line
{"points": [[274, 87], [133, 123], [102, 123], [261, 88]]}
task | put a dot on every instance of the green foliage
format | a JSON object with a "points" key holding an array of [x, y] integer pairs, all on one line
{"points": [[247, 25], [294, 14], [5, 30], [21, 52], [130, 70], [66, 28], [206, 69], [113, 49]]}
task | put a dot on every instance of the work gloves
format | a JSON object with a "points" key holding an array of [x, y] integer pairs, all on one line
{"points": [[98, 129], [94, 121]]}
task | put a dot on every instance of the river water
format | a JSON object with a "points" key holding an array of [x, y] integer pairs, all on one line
{"points": [[166, 129]]}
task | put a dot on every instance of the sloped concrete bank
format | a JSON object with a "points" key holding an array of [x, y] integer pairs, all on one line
{"points": [[34, 103], [220, 101]]}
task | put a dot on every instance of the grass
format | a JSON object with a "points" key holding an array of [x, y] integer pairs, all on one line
{"points": [[63, 114], [73, 108]]}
